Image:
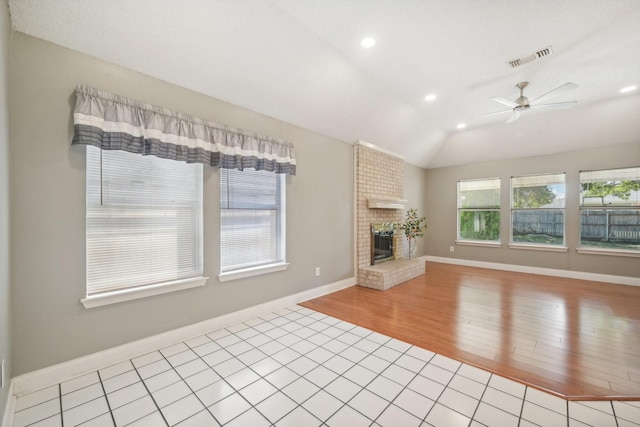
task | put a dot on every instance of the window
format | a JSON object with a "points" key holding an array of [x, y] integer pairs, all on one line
{"points": [[610, 209], [537, 209], [252, 222], [479, 210], [144, 222]]}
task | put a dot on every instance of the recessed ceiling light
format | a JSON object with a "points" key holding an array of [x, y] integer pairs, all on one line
{"points": [[367, 42], [430, 97], [461, 125], [628, 89]]}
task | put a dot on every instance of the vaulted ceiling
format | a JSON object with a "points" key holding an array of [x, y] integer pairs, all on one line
{"points": [[301, 61]]}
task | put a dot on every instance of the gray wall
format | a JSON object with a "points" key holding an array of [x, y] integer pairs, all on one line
{"points": [[48, 212], [441, 189], [414, 179], [5, 306]]}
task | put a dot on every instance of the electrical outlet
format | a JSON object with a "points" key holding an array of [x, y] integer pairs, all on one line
{"points": [[317, 271], [451, 249]]}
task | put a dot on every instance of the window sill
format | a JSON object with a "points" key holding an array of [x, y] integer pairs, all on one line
{"points": [[250, 272], [546, 248], [486, 244], [141, 292], [609, 252]]}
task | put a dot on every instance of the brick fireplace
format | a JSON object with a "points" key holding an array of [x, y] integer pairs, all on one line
{"points": [[379, 199]]}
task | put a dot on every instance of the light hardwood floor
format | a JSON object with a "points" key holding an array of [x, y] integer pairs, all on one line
{"points": [[576, 339]]}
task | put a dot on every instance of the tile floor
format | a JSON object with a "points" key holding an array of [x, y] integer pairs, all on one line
{"points": [[297, 367]]}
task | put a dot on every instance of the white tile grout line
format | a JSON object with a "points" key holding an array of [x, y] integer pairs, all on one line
{"points": [[270, 322]]}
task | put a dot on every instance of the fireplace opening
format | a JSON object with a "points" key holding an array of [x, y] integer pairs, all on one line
{"points": [[382, 249]]}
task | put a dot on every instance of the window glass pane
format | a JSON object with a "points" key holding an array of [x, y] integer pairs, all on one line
{"points": [[480, 193], [618, 187], [538, 226], [610, 209], [537, 209], [610, 228], [249, 189], [480, 225], [540, 191], [251, 219], [479, 209], [144, 220], [249, 238]]}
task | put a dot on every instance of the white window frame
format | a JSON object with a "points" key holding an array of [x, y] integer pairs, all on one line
{"points": [[611, 205], [531, 245], [279, 262], [181, 280]]}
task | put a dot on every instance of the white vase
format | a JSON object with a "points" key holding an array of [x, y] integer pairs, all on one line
{"points": [[412, 248]]}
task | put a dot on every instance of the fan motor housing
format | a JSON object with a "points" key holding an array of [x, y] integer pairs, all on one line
{"points": [[522, 101], [523, 104]]}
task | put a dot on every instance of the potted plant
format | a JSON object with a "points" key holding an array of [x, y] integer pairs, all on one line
{"points": [[413, 226]]}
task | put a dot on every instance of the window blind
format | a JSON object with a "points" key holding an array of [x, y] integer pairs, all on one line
{"points": [[479, 193], [538, 191], [251, 219], [537, 180], [610, 188], [611, 175], [144, 220]]}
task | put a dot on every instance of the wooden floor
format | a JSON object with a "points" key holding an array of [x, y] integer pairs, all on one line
{"points": [[576, 339]]}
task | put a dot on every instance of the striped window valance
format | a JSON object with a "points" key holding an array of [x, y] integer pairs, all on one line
{"points": [[113, 122]]}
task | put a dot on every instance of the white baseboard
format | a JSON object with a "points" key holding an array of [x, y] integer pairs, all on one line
{"points": [[36, 380], [9, 407], [568, 274]]}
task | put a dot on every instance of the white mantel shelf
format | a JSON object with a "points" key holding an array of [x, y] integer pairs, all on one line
{"points": [[377, 203]]}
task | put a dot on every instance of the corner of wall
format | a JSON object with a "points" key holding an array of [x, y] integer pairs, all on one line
{"points": [[6, 420], [6, 398]]}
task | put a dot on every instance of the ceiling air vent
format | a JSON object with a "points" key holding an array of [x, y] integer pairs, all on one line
{"points": [[536, 55]]}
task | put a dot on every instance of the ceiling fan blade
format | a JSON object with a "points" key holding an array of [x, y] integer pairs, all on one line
{"points": [[560, 89], [514, 117], [497, 112], [505, 101], [556, 106]]}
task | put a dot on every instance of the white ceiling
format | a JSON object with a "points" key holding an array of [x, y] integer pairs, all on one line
{"points": [[300, 61]]}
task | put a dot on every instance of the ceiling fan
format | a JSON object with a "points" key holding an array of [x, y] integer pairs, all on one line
{"points": [[522, 103]]}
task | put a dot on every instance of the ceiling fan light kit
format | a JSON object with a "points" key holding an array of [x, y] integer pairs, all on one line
{"points": [[522, 103]]}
